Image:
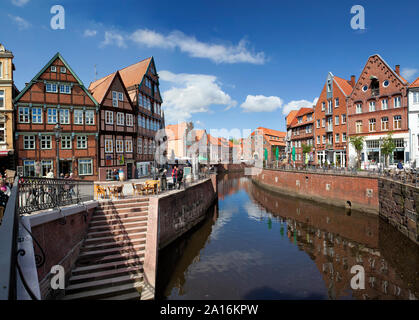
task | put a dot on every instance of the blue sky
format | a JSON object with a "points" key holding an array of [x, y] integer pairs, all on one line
{"points": [[222, 64]]}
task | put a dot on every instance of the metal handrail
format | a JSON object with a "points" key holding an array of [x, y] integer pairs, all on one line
{"points": [[8, 246], [37, 194]]}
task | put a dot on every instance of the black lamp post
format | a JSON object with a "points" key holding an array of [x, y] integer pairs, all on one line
{"points": [[58, 129]]}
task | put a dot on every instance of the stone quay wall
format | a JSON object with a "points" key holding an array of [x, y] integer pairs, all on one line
{"points": [[356, 192], [181, 211], [399, 206]]}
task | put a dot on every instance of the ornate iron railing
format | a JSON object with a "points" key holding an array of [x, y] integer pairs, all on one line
{"points": [[37, 194]]}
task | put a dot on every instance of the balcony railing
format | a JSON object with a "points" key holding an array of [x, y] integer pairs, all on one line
{"points": [[329, 111], [329, 128], [375, 92], [37, 194]]}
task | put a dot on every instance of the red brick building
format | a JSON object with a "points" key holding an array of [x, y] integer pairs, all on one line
{"points": [[377, 106], [142, 85], [301, 132], [56, 96], [117, 127], [330, 128]]}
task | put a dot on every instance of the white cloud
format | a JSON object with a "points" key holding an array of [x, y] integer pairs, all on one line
{"points": [[191, 93], [20, 3], [218, 53], [114, 38], [409, 73], [22, 24], [261, 103], [297, 104], [89, 33]]}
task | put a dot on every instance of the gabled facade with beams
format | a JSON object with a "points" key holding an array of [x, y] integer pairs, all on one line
{"points": [[378, 105], [142, 84], [56, 96], [117, 127]]}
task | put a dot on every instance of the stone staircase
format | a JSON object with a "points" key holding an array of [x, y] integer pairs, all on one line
{"points": [[110, 263]]}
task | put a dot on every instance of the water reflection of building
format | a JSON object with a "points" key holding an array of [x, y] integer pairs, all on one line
{"points": [[336, 241]]}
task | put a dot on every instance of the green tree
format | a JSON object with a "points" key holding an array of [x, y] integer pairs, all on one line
{"points": [[358, 144], [387, 147]]}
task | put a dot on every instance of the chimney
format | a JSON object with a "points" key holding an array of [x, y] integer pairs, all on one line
{"points": [[353, 82], [397, 69]]}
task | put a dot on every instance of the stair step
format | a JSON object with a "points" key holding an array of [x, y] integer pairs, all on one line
{"points": [[102, 282], [106, 251], [123, 205], [117, 222], [117, 232], [121, 210], [118, 216], [146, 294], [123, 201], [114, 265], [112, 258], [131, 236], [121, 227], [127, 296], [113, 243], [104, 291], [106, 273]]}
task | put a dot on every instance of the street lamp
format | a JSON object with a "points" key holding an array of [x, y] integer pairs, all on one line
{"points": [[58, 129]]}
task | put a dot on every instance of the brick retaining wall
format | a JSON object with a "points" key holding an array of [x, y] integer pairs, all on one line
{"points": [[360, 193]]}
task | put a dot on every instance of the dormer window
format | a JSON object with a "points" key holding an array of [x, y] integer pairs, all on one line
{"points": [[53, 69]]}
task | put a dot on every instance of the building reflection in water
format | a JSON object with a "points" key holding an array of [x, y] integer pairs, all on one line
{"points": [[333, 238]]}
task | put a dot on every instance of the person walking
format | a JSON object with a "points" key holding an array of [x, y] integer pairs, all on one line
{"points": [[174, 175], [180, 177]]}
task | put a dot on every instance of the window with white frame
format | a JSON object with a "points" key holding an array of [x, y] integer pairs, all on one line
{"points": [[108, 146], [1, 69], [336, 120], [397, 102], [2, 128], [318, 139], [52, 115], [78, 116], [29, 168], [140, 99], [81, 142], [143, 120], [65, 88], [36, 115], [416, 97], [120, 96], [108, 117], [29, 142], [46, 166], [90, 117], [397, 122], [145, 146], [119, 146], [323, 106], [358, 108], [337, 137], [51, 87], [53, 69], [120, 119], [358, 126], [384, 123], [128, 146], [63, 70], [371, 125], [130, 120], [46, 142], [384, 104], [115, 99], [343, 136], [372, 106], [23, 115], [2, 99], [65, 116], [85, 167], [336, 102], [66, 142], [140, 146], [323, 122], [343, 118]]}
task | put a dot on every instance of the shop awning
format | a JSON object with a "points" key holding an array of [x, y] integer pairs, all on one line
{"points": [[4, 153]]}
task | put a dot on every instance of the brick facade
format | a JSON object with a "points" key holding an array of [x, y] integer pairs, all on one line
{"points": [[57, 96], [301, 132]]}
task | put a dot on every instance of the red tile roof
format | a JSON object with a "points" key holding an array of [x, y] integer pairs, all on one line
{"points": [[415, 84], [344, 85], [134, 73], [301, 113], [291, 116], [100, 87]]}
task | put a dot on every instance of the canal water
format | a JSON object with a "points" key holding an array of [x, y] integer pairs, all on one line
{"points": [[255, 244]]}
